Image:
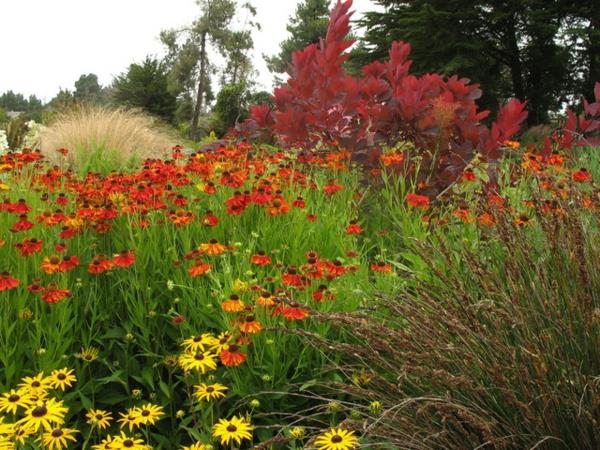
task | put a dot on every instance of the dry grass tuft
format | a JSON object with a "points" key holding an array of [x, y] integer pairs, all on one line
{"points": [[105, 138]]}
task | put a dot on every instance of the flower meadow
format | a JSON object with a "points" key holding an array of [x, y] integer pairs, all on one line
{"points": [[367, 265]]}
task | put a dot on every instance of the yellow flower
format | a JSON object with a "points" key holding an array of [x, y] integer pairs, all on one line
{"points": [[199, 343], [129, 443], [105, 444], [44, 414], [297, 432], [235, 429], [199, 361], [22, 433], [88, 354], [6, 443], [62, 378], [209, 392], [99, 418], [129, 419], [6, 428], [336, 439], [240, 286], [148, 414], [35, 386], [197, 446], [57, 439], [4, 187], [10, 401]]}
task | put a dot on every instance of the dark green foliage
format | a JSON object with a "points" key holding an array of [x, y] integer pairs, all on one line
{"points": [[146, 86], [520, 49], [306, 27], [231, 107], [87, 89]]}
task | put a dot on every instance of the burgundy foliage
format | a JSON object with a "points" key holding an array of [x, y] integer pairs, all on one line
{"points": [[583, 130], [322, 103]]}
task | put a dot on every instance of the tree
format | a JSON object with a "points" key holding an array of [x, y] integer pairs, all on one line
{"points": [[146, 86], [87, 89], [511, 48], [189, 60], [63, 99], [233, 103], [306, 26]]}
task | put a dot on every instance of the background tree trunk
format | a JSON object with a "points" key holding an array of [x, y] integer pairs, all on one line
{"points": [[201, 87]]}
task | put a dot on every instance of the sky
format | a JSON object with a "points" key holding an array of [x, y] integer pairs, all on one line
{"points": [[48, 44]]}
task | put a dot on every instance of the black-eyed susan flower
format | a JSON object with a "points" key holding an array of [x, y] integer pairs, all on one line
{"points": [[336, 439], [36, 385], [10, 401], [105, 444], [58, 438], [129, 419], [128, 443], [99, 418], [209, 392], [22, 433], [201, 362], [197, 446], [6, 428], [88, 354], [235, 430], [6, 443], [199, 342], [223, 340], [62, 378], [148, 414], [44, 414]]}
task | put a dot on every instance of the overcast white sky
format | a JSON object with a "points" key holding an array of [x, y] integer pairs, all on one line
{"points": [[48, 44]]}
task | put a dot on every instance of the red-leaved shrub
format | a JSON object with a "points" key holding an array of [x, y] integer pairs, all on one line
{"points": [[322, 103]]}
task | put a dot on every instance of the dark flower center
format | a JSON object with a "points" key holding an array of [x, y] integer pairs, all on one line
{"points": [[36, 384], [14, 398], [57, 433], [99, 417], [233, 348], [231, 428], [210, 389], [128, 443], [199, 356], [336, 439], [145, 413], [39, 411]]}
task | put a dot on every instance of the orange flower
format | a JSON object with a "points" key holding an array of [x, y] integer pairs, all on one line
{"points": [[266, 299], [232, 356], [68, 263], [381, 266], [54, 294], [233, 304], [100, 265], [250, 325], [331, 187], [199, 268], [212, 248], [29, 246], [51, 264], [294, 313]]}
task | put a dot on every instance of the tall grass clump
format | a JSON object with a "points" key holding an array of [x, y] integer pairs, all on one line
{"points": [[101, 139], [497, 348]]}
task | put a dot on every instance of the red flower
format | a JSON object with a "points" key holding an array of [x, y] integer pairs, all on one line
{"points": [[232, 356], [354, 228], [22, 224], [582, 176], [209, 219], [29, 246], [292, 278], [331, 188], [299, 203], [68, 263], [7, 282], [417, 201], [311, 217], [260, 259], [124, 259]]}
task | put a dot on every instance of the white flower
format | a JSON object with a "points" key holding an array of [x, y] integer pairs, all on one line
{"points": [[3, 142]]}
